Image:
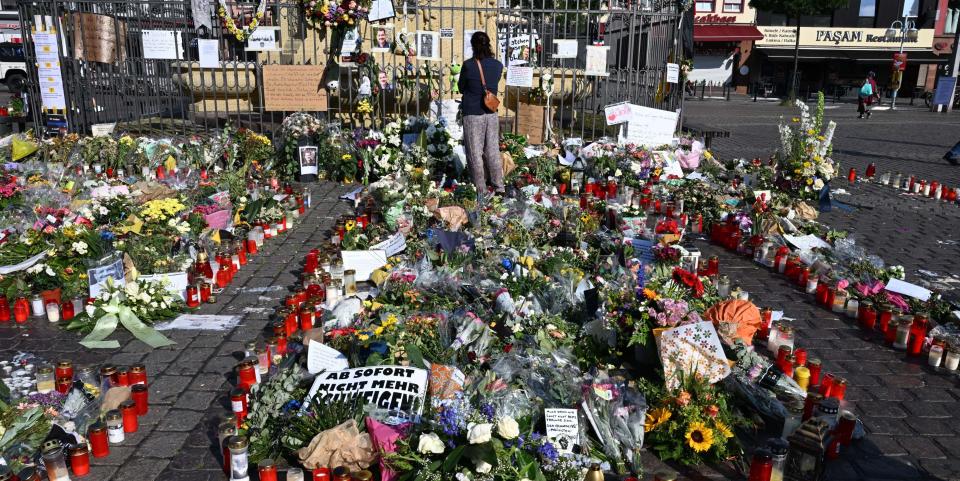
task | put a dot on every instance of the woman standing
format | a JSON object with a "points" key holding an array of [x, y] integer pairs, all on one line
{"points": [[865, 98], [481, 130]]}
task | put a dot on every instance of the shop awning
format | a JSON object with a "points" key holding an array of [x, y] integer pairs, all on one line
{"points": [[725, 33]]}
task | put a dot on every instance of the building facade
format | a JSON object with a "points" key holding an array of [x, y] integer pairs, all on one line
{"points": [[724, 33], [837, 51]]}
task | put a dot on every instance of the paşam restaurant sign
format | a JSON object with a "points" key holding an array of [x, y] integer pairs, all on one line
{"points": [[851, 38]]}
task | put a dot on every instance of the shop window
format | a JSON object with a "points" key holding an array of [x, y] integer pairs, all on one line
{"points": [[868, 13], [911, 8], [704, 7], [733, 6]]}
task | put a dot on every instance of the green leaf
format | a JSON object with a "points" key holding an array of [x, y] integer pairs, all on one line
{"points": [[482, 452], [453, 459], [415, 356]]}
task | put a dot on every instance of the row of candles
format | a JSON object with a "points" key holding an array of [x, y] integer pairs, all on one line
{"points": [[61, 460], [324, 282], [933, 189]]}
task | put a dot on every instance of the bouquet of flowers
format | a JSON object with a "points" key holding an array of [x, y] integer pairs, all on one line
{"points": [[804, 158], [10, 191], [338, 15]]}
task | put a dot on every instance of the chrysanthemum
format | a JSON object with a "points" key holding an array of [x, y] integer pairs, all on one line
{"points": [[699, 437]]}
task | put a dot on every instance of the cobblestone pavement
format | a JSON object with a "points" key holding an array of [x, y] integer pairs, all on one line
{"points": [[188, 381]]}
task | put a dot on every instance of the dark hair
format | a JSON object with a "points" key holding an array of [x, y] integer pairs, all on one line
{"points": [[480, 42], [872, 74]]}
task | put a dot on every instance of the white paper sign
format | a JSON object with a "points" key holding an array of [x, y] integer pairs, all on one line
{"points": [[209, 53], [673, 73], [161, 44], [518, 76], [597, 60], [394, 244], [650, 127], [565, 48], [467, 48], [364, 262], [563, 428], [102, 130], [201, 322], [908, 289], [263, 39], [97, 277], [618, 113], [321, 357], [386, 387], [806, 242], [446, 33], [176, 282]]}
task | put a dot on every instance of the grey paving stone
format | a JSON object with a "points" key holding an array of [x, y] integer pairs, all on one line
{"points": [[180, 420]]}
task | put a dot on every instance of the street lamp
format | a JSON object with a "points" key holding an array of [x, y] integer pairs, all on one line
{"points": [[907, 30]]}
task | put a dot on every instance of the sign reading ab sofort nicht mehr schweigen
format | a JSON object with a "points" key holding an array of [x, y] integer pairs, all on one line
{"points": [[840, 38]]}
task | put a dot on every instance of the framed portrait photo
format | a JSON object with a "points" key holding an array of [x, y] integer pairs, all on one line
{"points": [[382, 39], [428, 45], [308, 160], [381, 10]]}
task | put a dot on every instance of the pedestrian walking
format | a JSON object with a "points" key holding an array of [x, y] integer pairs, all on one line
{"points": [[481, 128], [865, 97]]}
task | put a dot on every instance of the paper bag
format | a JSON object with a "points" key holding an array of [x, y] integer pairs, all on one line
{"points": [[342, 445]]}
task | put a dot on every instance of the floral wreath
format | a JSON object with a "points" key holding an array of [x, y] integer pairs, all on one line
{"points": [[242, 33]]}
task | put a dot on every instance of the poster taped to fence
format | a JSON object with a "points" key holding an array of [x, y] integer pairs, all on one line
{"points": [[650, 127], [388, 387], [162, 44], [99, 38], [294, 88], [47, 52], [597, 60]]}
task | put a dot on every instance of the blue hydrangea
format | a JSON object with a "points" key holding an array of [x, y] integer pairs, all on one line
{"points": [[548, 451]]}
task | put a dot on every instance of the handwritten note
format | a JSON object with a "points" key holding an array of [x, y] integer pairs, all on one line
{"points": [[321, 357], [364, 262], [103, 130], [908, 289], [563, 428], [161, 44], [519, 76], [673, 73], [394, 244], [565, 48], [618, 113], [293, 88], [649, 127]]}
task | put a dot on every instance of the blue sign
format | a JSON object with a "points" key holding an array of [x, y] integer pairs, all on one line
{"points": [[944, 93]]}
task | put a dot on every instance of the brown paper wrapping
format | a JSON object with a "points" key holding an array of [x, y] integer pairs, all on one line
{"points": [[342, 445], [114, 397]]}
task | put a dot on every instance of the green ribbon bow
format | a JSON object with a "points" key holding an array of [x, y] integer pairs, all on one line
{"points": [[116, 312]]}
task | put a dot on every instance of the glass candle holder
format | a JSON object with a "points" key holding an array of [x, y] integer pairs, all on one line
{"points": [[935, 356], [52, 454], [46, 381], [951, 360], [902, 336], [53, 311], [239, 461], [114, 426], [839, 301], [350, 282], [814, 366], [853, 308]]}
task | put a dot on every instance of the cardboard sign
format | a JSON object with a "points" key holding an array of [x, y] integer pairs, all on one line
{"points": [[530, 122], [387, 387], [563, 428], [393, 245], [99, 38], [293, 88]]}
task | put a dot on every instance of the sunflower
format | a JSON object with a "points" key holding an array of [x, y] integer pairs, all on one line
{"points": [[699, 437], [723, 429], [655, 418]]}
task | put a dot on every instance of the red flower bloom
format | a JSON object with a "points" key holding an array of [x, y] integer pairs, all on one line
{"points": [[690, 280]]}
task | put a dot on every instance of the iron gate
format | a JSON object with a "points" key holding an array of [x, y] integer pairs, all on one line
{"points": [[178, 97]]}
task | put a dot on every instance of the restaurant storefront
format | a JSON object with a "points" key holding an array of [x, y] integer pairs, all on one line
{"points": [[723, 35], [836, 59]]}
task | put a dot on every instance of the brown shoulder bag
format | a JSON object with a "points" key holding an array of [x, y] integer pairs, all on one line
{"points": [[490, 101]]}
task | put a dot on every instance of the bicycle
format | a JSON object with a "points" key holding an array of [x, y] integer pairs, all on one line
{"points": [[928, 99]]}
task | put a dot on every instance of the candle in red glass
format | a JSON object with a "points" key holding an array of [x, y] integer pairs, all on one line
{"points": [[831, 293], [814, 366], [5, 314], [918, 334], [66, 310], [97, 435], [611, 188], [800, 356], [779, 263], [246, 376], [804, 277], [821, 295], [161, 173], [128, 409], [657, 206], [251, 246], [138, 374], [238, 404], [193, 296], [933, 187], [291, 322], [912, 180], [281, 345], [321, 474], [761, 467], [63, 370], [584, 200], [838, 389], [766, 319], [810, 404], [890, 334], [203, 266], [883, 319], [140, 396], [782, 354], [852, 175], [871, 170], [21, 310], [713, 265], [267, 470], [205, 291], [79, 460], [826, 385], [867, 315], [790, 268], [63, 385], [306, 319], [223, 277], [123, 377], [242, 253]]}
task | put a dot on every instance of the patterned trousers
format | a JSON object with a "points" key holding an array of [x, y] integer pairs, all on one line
{"points": [[481, 141]]}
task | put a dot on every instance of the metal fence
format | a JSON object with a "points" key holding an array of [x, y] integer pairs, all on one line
{"points": [[178, 97]]}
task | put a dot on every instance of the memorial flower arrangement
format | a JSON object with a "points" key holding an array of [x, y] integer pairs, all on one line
{"points": [[804, 159], [339, 15]]}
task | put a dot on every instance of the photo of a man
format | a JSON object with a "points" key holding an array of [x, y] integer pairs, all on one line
{"points": [[384, 81], [428, 45], [382, 39], [308, 160]]}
